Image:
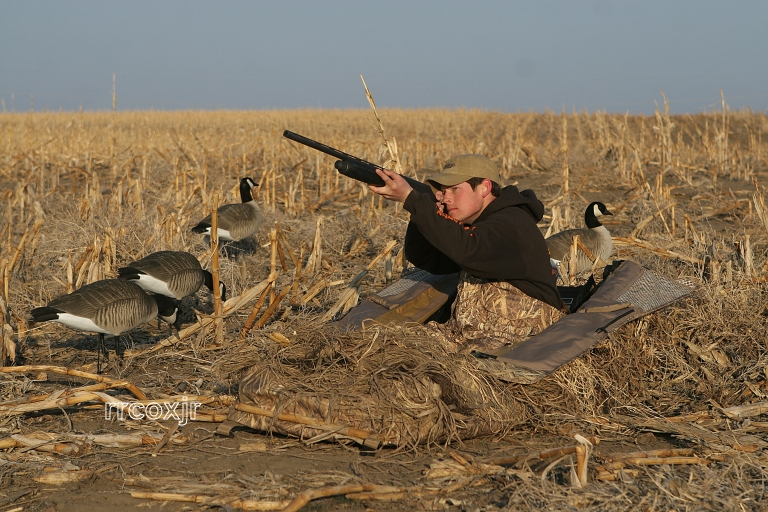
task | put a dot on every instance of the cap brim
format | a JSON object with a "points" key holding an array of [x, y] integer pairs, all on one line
{"points": [[447, 179]]}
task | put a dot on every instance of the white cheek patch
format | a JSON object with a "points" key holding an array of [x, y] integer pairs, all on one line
{"points": [[597, 211], [154, 285], [80, 323], [223, 234], [170, 319]]}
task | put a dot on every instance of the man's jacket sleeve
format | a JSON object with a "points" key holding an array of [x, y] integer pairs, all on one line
{"points": [[424, 255]]}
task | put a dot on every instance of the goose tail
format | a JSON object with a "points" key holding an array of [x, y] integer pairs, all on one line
{"points": [[201, 228], [129, 273], [44, 314]]}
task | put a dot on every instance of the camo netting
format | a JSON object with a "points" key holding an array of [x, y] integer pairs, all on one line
{"points": [[490, 314]]}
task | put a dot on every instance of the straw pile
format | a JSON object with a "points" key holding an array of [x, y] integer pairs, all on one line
{"points": [[398, 385]]}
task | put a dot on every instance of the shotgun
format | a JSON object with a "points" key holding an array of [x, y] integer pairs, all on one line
{"points": [[353, 167]]}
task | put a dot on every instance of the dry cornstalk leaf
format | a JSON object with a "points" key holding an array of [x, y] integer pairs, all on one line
{"points": [[165, 438], [253, 447], [352, 288], [621, 241], [279, 339], [272, 307], [391, 146], [284, 243], [666, 452], [721, 441], [221, 501], [127, 440], [54, 402], [324, 492], [454, 468], [391, 493], [540, 455], [315, 257], [759, 201], [313, 290], [604, 475], [257, 307], [657, 461], [61, 370], [382, 496], [43, 443], [364, 437], [583, 451], [746, 411], [63, 477], [218, 325], [38, 224], [9, 346], [640, 225]]}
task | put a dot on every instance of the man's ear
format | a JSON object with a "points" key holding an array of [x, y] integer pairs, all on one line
{"points": [[487, 187]]}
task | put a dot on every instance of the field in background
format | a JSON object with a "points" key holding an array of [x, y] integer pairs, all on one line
{"points": [[85, 193]]}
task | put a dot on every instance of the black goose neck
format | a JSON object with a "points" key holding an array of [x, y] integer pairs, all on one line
{"points": [[590, 219], [245, 190], [166, 306], [208, 279], [209, 284]]}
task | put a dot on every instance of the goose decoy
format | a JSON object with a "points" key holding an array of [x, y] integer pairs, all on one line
{"points": [[175, 274], [595, 237], [236, 221], [110, 306]]}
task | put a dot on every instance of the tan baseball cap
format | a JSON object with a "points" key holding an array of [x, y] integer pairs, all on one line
{"points": [[463, 167]]}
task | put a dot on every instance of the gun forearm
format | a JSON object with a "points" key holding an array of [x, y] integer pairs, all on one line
{"points": [[367, 174]]}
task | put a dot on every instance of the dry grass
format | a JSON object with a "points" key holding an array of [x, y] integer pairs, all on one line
{"points": [[86, 193]]}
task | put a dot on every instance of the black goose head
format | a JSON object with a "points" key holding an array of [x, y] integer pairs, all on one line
{"points": [[167, 307], [209, 284], [246, 184], [593, 211]]}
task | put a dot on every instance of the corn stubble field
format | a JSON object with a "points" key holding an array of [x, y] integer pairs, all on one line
{"points": [[669, 413]]}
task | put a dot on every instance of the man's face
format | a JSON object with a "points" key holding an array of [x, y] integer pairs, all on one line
{"points": [[462, 203]]}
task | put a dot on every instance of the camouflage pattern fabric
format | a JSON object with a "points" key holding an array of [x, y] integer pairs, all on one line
{"points": [[488, 315]]}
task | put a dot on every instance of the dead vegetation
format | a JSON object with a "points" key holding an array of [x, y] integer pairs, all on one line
{"points": [[84, 193]]}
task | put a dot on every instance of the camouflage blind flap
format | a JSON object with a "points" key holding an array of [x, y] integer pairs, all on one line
{"points": [[630, 292]]}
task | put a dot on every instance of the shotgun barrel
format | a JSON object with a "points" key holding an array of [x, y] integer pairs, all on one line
{"points": [[354, 167]]}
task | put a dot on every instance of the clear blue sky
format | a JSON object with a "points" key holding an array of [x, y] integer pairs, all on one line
{"points": [[608, 55]]}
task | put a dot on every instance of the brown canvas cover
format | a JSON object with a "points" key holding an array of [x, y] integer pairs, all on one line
{"points": [[413, 298], [630, 292]]}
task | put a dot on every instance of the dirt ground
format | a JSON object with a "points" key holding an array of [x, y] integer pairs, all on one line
{"points": [[211, 460]]}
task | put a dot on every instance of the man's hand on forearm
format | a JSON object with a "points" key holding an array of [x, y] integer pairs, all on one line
{"points": [[395, 187]]}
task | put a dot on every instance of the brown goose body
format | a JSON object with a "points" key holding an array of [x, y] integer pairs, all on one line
{"points": [[111, 306], [235, 221], [171, 273], [595, 237]]}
